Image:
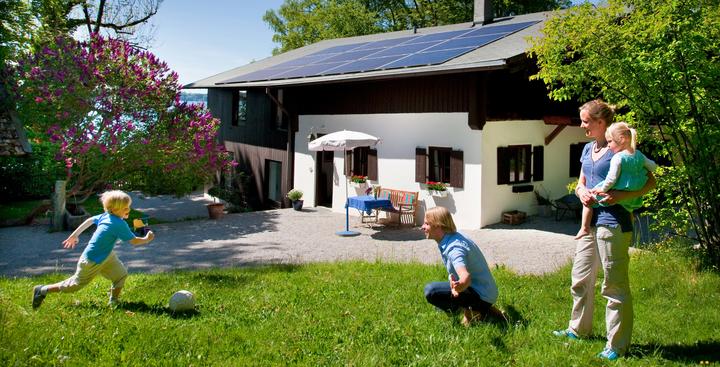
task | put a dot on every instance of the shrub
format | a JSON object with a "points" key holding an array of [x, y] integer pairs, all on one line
{"points": [[294, 194], [32, 176]]}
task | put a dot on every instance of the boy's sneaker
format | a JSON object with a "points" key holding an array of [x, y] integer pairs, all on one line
{"points": [[567, 333], [38, 296], [609, 354], [113, 302]]}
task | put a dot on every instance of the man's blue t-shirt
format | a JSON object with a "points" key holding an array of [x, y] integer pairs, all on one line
{"points": [[595, 172], [110, 228], [456, 251]]}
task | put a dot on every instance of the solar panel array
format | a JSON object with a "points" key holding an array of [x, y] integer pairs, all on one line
{"points": [[420, 50]]}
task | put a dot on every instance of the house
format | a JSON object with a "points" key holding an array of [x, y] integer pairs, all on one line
{"points": [[451, 104]]}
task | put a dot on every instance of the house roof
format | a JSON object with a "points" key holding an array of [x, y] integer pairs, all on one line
{"points": [[494, 55]]}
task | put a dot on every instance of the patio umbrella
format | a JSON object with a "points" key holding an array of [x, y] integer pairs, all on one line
{"points": [[343, 141]]}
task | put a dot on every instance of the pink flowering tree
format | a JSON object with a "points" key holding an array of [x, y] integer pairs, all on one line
{"points": [[114, 113]]}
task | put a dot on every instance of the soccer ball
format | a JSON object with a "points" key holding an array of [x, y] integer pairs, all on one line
{"points": [[182, 301]]}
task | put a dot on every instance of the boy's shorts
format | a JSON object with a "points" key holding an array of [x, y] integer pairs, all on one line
{"points": [[112, 268]]}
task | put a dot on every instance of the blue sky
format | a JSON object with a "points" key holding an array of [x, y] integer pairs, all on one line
{"points": [[202, 38]]}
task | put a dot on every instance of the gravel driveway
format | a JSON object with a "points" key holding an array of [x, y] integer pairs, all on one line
{"points": [[282, 236]]}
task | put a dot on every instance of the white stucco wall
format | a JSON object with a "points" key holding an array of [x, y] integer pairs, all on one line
{"points": [[500, 198], [481, 201], [400, 134]]}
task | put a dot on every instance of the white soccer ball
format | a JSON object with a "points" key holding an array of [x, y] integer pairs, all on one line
{"points": [[182, 301]]}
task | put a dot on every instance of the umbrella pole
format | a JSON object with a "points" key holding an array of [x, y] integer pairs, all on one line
{"points": [[347, 232]]}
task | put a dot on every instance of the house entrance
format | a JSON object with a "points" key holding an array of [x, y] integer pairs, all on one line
{"points": [[324, 178]]}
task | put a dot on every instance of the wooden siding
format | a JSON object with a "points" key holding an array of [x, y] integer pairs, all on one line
{"points": [[447, 93], [252, 160]]}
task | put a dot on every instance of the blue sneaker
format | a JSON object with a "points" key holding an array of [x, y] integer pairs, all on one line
{"points": [[608, 354], [567, 333]]}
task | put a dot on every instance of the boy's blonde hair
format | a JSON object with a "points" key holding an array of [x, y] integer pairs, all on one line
{"points": [[440, 217], [622, 129], [114, 200]]}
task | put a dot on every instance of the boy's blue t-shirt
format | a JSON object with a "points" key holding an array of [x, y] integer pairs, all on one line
{"points": [[457, 250], [110, 228], [595, 172]]}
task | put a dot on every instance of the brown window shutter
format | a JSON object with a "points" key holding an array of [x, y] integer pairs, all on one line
{"points": [[456, 169], [538, 158], [528, 163], [503, 166], [420, 165], [372, 165], [348, 163]]}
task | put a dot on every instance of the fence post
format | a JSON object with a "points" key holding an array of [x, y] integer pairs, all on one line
{"points": [[58, 202]]}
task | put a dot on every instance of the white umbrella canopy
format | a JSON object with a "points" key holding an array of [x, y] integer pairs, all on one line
{"points": [[342, 140]]}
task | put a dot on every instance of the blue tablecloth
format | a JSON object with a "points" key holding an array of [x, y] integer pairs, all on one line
{"points": [[367, 203]]}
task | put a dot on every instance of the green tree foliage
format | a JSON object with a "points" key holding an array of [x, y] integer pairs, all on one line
{"points": [[303, 22], [658, 60]]}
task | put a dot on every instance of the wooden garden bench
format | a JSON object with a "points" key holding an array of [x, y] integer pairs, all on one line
{"points": [[404, 204]]}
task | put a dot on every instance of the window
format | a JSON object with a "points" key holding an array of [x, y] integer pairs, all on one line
{"points": [[441, 164], [361, 161], [240, 108], [519, 164], [274, 180], [575, 155], [279, 118]]}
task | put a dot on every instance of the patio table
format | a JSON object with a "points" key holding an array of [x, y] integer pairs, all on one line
{"points": [[367, 203]]}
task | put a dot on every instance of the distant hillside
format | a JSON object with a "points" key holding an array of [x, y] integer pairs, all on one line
{"points": [[193, 97]]}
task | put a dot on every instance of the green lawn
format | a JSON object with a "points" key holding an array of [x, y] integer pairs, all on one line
{"points": [[349, 313], [20, 209]]}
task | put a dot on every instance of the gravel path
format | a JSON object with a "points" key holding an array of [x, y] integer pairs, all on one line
{"points": [[282, 236]]}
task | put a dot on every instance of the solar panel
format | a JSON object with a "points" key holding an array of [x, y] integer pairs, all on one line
{"points": [[428, 49], [474, 42], [361, 65], [404, 49], [428, 58]]}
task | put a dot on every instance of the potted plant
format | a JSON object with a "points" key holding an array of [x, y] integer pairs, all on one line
{"points": [[358, 181], [438, 189], [295, 196], [216, 209]]}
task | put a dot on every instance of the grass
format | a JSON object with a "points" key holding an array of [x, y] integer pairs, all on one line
{"points": [[17, 209], [350, 313], [20, 209]]}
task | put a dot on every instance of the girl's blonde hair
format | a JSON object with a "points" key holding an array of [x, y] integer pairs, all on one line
{"points": [[599, 110], [622, 129], [440, 217], [114, 200]]}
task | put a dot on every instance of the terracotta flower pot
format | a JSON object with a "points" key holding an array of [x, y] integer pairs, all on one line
{"points": [[216, 210]]}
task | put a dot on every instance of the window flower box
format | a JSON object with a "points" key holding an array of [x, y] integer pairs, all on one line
{"points": [[358, 181], [439, 194], [437, 189]]}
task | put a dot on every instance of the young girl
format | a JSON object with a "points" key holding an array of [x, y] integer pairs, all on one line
{"points": [[99, 257], [628, 171]]}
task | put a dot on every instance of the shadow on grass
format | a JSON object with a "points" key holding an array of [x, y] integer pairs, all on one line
{"points": [[156, 309], [700, 351]]}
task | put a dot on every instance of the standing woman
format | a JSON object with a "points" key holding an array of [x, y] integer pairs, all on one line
{"points": [[607, 243]]}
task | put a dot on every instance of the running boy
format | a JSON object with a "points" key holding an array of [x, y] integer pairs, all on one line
{"points": [[98, 256], [628, 171]]}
